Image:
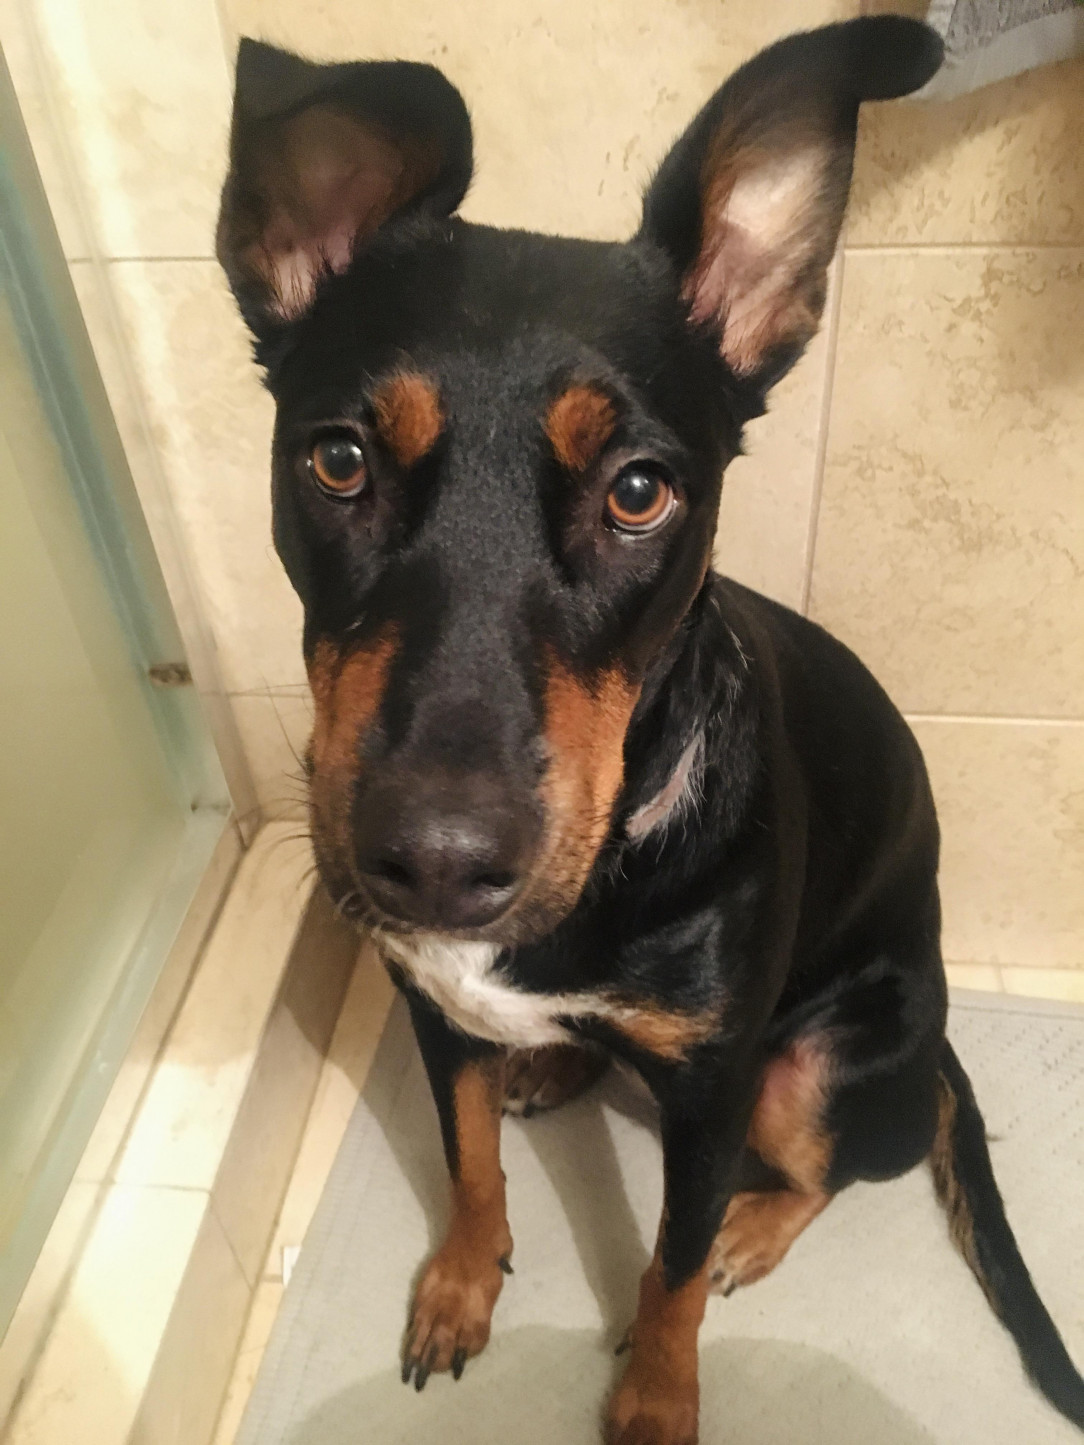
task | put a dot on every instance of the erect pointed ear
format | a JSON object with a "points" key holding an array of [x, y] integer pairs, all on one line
{"points": [[750, 200], [321, 156]]}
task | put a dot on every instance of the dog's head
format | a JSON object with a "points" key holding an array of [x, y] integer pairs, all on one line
{"points": [[498, 455]]}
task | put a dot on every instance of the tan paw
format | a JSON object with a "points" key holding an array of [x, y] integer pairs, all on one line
{"points": [[757, 1232], [649, 1409], [453, 1306], [539, 1079]]}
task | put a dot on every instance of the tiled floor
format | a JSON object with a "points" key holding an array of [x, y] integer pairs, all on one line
{"points": [[343, 1077], [352, 1048], [161, 1243]]}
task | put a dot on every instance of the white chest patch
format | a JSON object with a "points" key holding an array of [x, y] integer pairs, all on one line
{"points": [[459, 977]]}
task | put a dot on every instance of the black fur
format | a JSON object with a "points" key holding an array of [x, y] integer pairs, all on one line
{"points": [[797, 897]]}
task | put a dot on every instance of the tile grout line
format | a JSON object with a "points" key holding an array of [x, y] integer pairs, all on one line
{"points": [[831, 348], [898, 248], [153, 260], [993, 719]]}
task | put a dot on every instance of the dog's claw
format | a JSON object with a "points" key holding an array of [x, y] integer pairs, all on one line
{"points": [[459, 1359], [424, 1370], [506, 1265], [408, 1370]]}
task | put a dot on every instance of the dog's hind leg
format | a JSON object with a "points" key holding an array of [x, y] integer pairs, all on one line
{"points": [[537, 1080], [851, 1095], [788, 1133]]}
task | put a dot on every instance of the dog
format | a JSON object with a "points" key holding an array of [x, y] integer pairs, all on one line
{"points": [[595, 800]]}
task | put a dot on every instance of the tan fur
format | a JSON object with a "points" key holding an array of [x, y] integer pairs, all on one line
{"points": [[579, 424], [536, 1080], [660, 1385], [321, 182], [666, 1033], [756, 273], [455, 1299], [409, 416], [787, 1127], [757, 1231], [346, 694], [952, 1197], [585, 730]]}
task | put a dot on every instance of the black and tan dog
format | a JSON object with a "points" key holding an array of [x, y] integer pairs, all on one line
{"points": [[595, 799]]}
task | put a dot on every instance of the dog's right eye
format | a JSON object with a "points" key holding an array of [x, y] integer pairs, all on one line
{"points": [[337, 464]]}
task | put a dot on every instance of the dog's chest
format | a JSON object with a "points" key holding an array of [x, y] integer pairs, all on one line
{"points": [[461, 980]]}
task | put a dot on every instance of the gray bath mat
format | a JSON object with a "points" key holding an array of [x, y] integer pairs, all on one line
{"points": [[872, 1332]]}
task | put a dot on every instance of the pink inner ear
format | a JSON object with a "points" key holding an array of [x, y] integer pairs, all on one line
{"points": [[330, 183], [759, 238]]}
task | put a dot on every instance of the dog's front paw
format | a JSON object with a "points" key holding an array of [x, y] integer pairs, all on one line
{"points": [[650, 1409], [453, 1306]]}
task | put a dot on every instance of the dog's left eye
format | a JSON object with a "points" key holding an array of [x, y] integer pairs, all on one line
{"points": [[338, 464], [640, 500]]}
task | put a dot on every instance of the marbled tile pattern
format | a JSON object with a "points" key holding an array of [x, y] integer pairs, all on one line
{"points": [[143, 92], [573, 104], [769, 493], [1011, 801], [275, 729], [943, 536], [212, 421], [950, 543], [1001, 166]]}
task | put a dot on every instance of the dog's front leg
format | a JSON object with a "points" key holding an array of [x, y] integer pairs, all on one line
{"points": [[658, 1400], [454, 1301]]}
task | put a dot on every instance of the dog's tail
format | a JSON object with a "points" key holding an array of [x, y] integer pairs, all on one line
{"points": [[965, 1184]]}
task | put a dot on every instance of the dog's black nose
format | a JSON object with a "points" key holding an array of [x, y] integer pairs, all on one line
{"points": [[449, 854]]}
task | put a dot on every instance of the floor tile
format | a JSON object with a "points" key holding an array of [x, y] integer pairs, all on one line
{"points": [[192, 1102], [103, 1344], [265, 1307], [191, 1373], [43, 1293], [357, 1034]]}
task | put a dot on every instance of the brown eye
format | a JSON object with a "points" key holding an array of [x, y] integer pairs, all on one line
{"points": [[338, 464], [640, 500]]}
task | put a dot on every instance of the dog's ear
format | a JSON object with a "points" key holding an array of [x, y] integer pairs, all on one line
{"points": [[321, 156], [750, 200]]}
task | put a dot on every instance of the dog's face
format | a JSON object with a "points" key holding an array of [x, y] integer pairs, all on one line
{"points": [[498, 456]]}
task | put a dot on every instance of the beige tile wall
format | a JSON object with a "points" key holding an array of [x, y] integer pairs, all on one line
{"points": [[917, 485]]}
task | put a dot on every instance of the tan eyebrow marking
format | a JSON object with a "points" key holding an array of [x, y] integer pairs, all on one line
{"points": [[409, 416], [579, 424]]}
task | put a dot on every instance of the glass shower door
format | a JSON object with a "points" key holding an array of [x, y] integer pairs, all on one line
{"points": [[110, 797]]}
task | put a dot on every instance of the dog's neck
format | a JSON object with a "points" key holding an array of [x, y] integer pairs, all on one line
{"points": [[692, 695], [674, 799]]}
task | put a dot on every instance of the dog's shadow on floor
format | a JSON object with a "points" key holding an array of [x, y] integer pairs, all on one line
{"points": [[537, 1384], [545, 1386], [574, 1145]]}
